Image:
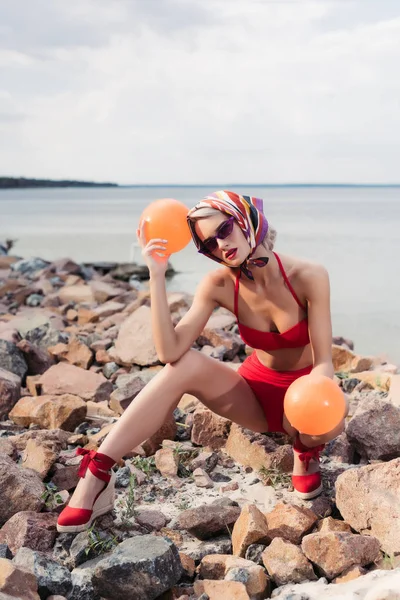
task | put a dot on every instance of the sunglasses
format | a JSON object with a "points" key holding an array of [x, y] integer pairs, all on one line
{"points": [[223, 231]]}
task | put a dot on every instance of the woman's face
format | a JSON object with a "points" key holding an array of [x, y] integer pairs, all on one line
{"points": [[233, 249]]}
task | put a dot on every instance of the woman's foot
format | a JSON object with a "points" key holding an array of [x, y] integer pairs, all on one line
{"points": [[306, 476], [94, 495]]}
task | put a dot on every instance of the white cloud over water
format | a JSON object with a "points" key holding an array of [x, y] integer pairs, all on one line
{"points": [[194, 91]]}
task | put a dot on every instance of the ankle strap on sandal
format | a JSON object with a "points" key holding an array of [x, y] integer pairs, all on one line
{"points": [[97, 463]]}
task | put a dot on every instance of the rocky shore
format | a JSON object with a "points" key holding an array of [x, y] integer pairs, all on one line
{"points": [[204, 508]]}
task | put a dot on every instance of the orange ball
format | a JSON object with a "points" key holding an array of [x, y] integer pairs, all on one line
{"points": [[166, 219], [314, 404]]}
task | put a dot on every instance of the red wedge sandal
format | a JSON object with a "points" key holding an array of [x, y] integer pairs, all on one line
{"points": [[307, 486], [74, 520]]}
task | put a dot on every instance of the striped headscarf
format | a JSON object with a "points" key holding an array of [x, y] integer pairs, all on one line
{"points": [[248, 213]]}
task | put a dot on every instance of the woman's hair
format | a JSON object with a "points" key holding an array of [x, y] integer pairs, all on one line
{"points": [[202, 213]]}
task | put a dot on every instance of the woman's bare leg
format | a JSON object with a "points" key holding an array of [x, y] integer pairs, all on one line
{"points": [[218, 387], [311, 441]]}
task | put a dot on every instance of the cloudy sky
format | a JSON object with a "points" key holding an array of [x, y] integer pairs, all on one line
{"points": [[200, 91]]}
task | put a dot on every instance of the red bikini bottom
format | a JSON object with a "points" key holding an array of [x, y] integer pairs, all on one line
{"points": [[269, 387]]}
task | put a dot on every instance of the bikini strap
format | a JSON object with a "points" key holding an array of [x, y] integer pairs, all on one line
{"points": [[236, 297], [285, 277]]}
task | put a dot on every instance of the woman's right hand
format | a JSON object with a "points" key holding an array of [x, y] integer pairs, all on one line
{"points": [[154, 252]]}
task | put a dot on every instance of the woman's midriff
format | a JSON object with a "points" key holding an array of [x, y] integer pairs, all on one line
{"points": [[287, 359]]}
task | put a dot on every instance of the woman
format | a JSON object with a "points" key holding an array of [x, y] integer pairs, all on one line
{"points": [[283, 311]]}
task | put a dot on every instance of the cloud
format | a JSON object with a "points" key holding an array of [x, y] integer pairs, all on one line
{"points": [[169, 91]]}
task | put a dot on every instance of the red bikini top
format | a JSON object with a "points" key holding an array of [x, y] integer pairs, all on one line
{"points": [[295, 337]]}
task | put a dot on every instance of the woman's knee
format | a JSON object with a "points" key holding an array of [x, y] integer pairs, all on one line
{"points": [[188, 365]]}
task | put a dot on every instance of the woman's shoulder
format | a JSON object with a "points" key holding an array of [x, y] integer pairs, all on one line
{"points": [[297, 265], [303, 270], [219, 283]]}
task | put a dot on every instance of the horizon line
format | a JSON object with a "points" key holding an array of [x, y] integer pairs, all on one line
{"points": [[166, 185]]}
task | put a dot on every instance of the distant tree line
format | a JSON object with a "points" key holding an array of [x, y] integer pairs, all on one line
{"points": [[22, 182]]}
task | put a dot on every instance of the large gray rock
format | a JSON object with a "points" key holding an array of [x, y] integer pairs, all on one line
{"points": [[45, 336], [141, 567], [208, 520], [368, 499], [375, 429], [28, 266], [12, 359], [82, 585], [52, 578]]}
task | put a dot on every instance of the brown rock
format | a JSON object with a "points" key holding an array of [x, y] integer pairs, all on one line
{"points": [[102, 357], [134, 344], [69, 379], [379, 380], [173, 535], [208, 520], [103, 344], [219, 337], [37, 359], [153, 520], [189, 403], [340, 449], [188, 564], [257, 450], [8, 449], [10, 390], [250, 528], [71, 315], [78, 293], [219, 566], [20, 489], [128, 387], [204, 460], [229, 487], [330, 524], [96, 439], [202, 479], [166, 432], [56, 437], [209, 429], [286, 563], [32, 384], [75, 353], [351, 573], [99, 409], [38, 457], [65, 477], [167, 462], [221, 590], [51, 412], [290, 522], [345, 360], [103, 291], [377, 489], [30, 529], [221, 319], [336, 551], [16, 583], [375, 429], [101, 312]]}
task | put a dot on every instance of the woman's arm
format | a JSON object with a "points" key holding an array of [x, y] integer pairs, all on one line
{"points": [[316, 281], [171, 343]]}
